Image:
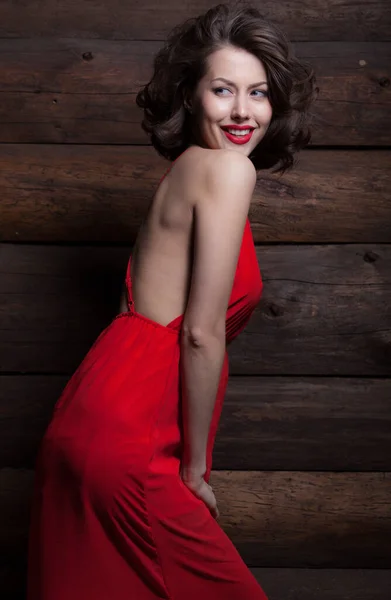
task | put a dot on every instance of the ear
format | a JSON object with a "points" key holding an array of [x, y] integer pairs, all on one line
{"points": [[187, 101]]}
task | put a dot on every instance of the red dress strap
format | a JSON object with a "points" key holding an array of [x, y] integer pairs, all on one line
{"points": [[128, 284]]}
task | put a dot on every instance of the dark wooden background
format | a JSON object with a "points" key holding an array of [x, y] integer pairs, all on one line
{"points": [[302, 463]]}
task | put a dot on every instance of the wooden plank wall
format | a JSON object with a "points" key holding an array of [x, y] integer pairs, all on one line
{"points": [[302, 464]]}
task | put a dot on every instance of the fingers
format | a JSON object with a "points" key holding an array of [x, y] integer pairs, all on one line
{"points": [[213, 506], [215, 513], [204, 492]]}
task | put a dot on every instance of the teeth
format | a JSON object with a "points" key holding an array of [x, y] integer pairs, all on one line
{"points": [[237, 132]]}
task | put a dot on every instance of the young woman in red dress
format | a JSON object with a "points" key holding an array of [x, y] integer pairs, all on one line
{"points": [[122, 507]]}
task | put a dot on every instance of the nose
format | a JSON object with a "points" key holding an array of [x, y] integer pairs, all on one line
{"points": [[240, 107]]}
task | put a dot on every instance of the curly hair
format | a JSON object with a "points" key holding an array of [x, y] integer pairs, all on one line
{"points": [[182, 62]]}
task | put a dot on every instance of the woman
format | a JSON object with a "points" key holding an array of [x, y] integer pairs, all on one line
{"points": [[122, 506]]}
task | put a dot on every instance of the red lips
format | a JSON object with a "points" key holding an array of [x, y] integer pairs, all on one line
{"points": [[243, 139]]}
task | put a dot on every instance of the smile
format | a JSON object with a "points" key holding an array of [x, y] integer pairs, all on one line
{"points": [[238, 138]]}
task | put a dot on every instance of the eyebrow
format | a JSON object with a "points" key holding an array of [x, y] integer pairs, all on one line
{"points": [[231, 82]]}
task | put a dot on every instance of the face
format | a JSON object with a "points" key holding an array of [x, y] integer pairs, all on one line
{"points": [[234, 91]]}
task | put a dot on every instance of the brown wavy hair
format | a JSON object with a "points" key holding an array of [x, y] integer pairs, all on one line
{"points": [[182, 62]]}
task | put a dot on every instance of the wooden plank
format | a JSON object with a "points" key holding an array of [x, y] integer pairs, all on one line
{"points": [[275, 519], [267, 423], [324, 310], [300, 19], [324, 584], [279, 584], [83, 91], [26, 405], [296, 519], [60, 193], [16, 489], [305, 424]]}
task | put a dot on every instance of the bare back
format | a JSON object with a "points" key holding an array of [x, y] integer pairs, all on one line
{"points": [[162, 254]]}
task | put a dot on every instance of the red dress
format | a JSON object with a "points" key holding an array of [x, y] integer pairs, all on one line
{"points": [[111, 518]]}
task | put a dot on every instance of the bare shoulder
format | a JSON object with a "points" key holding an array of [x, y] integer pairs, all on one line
{"points": [[232, 167], [207, 169], [207, 160]]}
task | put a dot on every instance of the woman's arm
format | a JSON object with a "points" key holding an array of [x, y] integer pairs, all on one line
{"points": [[201, 365], [220, 212]]}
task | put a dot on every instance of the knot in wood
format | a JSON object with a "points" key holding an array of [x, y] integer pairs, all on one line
{"points": [[370, 256], [384, 82], [275, 310]]}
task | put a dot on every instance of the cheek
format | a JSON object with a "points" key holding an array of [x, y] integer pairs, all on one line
{"points": [[214, 110], [268, 112], [265, 116]]}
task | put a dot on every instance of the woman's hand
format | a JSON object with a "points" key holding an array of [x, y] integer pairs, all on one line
{"points": [[202, 490]]}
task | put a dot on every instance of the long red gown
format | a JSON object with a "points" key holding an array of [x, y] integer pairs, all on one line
{"points": [[111, 518]]}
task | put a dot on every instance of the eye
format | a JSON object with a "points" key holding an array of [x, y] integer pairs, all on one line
{"points": [[217, 90], [264, 92], [220, 88]]}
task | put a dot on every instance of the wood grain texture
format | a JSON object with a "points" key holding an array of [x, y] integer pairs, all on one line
{"points": [[305, 424], [60, 193], [278, 583], [301, 19], [307, 519], [324, 309], [77, 91], [275, 519], [267, 423], [324, 584]]}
